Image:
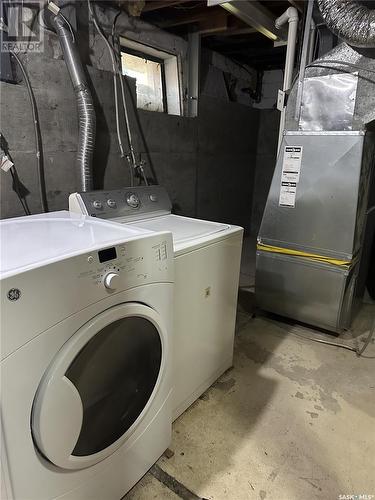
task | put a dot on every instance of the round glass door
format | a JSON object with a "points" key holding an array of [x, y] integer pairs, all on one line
{"points": [[98, 386], [115, 374]]}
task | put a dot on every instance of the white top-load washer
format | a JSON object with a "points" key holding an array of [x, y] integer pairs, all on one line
{"points": [[207, 265], [85, 356]]}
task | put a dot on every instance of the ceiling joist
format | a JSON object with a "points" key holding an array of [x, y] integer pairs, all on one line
{"points": [[192, 16], [160, 4], [254, 14]]}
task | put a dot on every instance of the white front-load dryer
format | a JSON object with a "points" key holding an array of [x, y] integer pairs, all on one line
{"points": [[85, 367]]}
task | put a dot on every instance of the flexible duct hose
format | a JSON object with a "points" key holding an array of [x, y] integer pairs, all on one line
{"points": [[85, 105], [352, 22]]}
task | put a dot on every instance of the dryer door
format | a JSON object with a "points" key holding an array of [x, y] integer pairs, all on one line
{"points": [[99, 386]]}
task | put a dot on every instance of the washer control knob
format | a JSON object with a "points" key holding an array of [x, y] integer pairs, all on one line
{"points": [[111, 280], [97, 204], [153, 197], [111, 203], [132, 200]]}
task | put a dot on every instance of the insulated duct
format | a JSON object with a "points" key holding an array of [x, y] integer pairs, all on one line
{"points": [[350, 20], [85, 105]]}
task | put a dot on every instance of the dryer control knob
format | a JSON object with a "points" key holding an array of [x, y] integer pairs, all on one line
{"points": [[111, 281]]}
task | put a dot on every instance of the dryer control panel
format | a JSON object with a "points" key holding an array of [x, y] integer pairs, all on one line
{"points": [[130, 264], [35, 300], [131, 203]]}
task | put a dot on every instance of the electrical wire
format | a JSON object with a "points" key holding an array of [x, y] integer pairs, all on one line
{"points": [[324, 63], [16, 184], [69, 26], [117, 72], [321, 64], [368, 339], [38, 137], [342, 63], [314, 338], [115, 90], [23, 201], [125, 108], [333, 68], [357, 350], [142, 170], [327, 342], [130, 160]]}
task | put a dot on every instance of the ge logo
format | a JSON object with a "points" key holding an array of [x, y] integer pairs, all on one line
{"points": [[14, 294]]}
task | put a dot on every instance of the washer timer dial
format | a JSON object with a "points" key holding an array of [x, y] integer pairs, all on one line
{"points": [[132, 200]]}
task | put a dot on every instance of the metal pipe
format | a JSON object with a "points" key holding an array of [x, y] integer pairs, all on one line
{"points": [[291, 17], [352, 22], [85, 105], [117, 73], [304, 55]]}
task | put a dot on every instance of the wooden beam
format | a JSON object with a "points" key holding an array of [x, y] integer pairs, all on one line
{"points": [[231, 32], [191, 16], [215, 23], [152, 5], [233, 27], [255, 15], [298, 4]]}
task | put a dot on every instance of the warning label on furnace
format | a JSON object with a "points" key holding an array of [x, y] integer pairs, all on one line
{"points": [[290, 175], [288, 191], [291, 164]]}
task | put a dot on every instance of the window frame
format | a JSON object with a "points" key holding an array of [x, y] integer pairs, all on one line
{"points": [[148, 57], [172, 67]]}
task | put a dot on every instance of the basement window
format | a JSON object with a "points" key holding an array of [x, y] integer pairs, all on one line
{"points": [[150, 80], [156, 74]]}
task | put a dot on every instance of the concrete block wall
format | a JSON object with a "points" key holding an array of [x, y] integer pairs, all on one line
{"points": [[206, 163]]}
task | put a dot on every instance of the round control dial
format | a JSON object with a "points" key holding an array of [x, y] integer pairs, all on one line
{"points": [[111, 280], [132, 200], [97, 204], [111, 203]]}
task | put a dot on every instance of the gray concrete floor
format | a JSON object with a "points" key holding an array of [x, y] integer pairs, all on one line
{"points": [[293, 419]]}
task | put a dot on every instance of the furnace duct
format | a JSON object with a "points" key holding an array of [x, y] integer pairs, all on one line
{"points": [[85, 105], [352, 22]]}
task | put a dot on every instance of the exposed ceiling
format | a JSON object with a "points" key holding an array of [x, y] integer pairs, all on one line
{"points": [[220, 30]]}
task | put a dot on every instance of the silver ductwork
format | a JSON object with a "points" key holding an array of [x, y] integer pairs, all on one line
{"points": [[85, 105], [315, 273], [350, 20]]}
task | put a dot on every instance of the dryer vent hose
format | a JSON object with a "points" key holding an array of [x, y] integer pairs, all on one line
{"points": [[85, 105]]}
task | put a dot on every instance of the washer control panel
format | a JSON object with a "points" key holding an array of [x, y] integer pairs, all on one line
{"points": [[130, 203]]}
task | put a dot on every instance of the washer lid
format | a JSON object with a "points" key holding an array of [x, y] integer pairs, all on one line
{"points": [[183, 229], [32, 241]]}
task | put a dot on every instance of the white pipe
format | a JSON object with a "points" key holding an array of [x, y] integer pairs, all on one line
{"points": [[290, 16]]}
